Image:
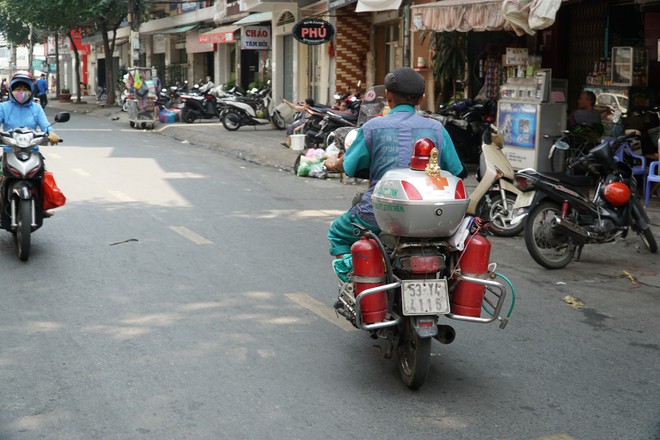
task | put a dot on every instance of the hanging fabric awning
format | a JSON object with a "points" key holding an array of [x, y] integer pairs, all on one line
{"points": [[255, 18], [461, 15], [377, 5], [486, 15], [222, 34]]}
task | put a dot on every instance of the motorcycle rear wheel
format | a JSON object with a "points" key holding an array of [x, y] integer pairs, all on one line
{"points": [[231, 120], [548, 246], [494, 213], [414, 355], [278, 121], [187, 116], [23, 229]]}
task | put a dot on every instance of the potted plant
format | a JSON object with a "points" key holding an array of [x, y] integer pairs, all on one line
{"points": [[65, 95]]}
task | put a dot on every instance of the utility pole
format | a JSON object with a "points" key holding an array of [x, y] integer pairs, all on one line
{"points": [[134, 22], [30, 51]]}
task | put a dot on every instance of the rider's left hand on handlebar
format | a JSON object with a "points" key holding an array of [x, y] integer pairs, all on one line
{"points": [[53, 139]]}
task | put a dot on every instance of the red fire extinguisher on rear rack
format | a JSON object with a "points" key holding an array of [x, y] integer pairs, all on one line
{"points": [[369, 272]]}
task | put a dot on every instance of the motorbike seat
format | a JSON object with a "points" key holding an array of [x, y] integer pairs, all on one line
{"points": [[575, 181]]}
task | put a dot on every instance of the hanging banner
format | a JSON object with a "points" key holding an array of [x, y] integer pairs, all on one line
{"points": [[255, 37], [313, 31]]}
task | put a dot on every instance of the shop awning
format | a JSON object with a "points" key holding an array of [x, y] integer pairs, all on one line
{"points": [[255, 18], [178, 30], [486, 15], [461, 15], [377, 5], [222, 34]]}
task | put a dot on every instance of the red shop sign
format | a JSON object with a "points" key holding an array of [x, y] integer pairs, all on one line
{"points": [[313, 31]]}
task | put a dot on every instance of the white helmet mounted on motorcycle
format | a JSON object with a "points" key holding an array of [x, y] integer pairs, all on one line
{"points": [[21, 87], [350, 138]]}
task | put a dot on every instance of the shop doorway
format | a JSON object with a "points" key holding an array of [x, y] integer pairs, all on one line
{"points": [[249, 67], [314, 71], [287, 73]]}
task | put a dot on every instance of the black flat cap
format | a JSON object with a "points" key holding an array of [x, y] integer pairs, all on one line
{"points": [[405, 81]]}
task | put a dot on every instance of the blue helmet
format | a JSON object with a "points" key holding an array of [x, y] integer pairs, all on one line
{"points": [[25, 78]]}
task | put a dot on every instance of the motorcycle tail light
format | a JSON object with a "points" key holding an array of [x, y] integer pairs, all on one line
{"points": [[410, 190], [460, 191], [523, 183], [420, 264]]}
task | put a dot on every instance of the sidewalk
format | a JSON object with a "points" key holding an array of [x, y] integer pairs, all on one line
{"points": [[260, 145]]}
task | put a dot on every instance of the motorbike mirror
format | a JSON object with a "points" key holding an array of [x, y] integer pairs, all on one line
{"points": [[62, 117]]}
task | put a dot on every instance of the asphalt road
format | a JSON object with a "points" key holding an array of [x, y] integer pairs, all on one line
{"points": [[184, 293]]}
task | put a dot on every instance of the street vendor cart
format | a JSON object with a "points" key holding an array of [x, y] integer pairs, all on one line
{"points": [[143, 85]]}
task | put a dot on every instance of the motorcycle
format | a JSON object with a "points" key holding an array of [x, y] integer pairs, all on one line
{"points": [[204, 106], [21, 191], [562, 218], [465, 121], [429, 263], [256, 110], [495, 195], [331, 120]]}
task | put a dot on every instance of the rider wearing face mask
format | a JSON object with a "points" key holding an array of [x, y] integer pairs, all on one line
{"points": [[20, 110]]}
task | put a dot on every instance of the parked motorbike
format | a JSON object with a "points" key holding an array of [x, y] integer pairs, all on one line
{"points": [[494, 197], [256, 110], [331, 120], [21, 192], [465, 121], [429, 263], [561, 218], [204, 106]]}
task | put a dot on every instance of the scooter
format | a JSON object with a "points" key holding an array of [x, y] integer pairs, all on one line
{"points": [[562, 217], [429, 264], [204, 106], [494, 197], [21, 192], [259, 110]]}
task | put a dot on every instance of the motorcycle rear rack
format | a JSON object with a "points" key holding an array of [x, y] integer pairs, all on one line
{"points": [[356, 311], [497, 307]]}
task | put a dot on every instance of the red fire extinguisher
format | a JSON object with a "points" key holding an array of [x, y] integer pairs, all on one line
{"points": [[467, 297], [368, 272]]}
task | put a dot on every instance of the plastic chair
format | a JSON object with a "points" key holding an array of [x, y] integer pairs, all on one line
{"points": [[651, 177], [639, 162]]}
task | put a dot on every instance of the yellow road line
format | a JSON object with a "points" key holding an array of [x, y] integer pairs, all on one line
{"points": [[323, 310], [190, 235]]}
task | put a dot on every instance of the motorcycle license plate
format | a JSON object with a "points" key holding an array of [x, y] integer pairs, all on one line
{"points": [[428, 297], [524, 199]]}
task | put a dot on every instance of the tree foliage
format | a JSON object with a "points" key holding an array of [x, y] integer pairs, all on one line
{"points": [[65, 17]]}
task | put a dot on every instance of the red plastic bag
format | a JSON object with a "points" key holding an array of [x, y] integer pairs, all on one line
{"points": [[53, 197]]}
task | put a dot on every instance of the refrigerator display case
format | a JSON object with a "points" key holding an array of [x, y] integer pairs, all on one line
{"points": [[629, 66], [523, 125]]}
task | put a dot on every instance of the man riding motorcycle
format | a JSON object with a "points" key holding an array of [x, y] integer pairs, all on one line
{"points": [[381, 144]]}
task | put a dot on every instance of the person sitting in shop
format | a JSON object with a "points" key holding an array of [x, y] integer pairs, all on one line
{"points": [[586, 114], [297, 125]]}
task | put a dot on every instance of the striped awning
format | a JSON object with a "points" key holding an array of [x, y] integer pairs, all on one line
{"points": [[522, 16], [461, 15]]}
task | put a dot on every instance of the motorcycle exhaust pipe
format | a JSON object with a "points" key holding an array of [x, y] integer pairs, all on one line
{"points": [[446, 334]]}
